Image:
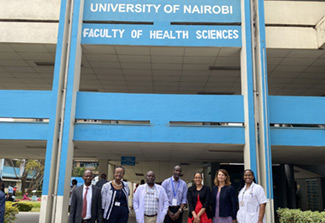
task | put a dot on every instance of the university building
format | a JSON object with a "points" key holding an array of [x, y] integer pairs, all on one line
{"points": [[206, 84]]}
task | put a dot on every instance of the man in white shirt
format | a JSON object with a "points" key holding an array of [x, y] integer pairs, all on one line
{"points": [[150, 202], [86, 204]]}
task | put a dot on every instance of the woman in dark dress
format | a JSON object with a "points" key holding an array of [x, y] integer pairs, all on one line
{"points": [[115, 198], [224, 206], [199, 198]]}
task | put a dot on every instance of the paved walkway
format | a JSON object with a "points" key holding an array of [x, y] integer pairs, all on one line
{"points": [[33, 217]]}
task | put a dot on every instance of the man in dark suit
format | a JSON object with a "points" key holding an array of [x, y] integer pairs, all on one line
{"points": [[86, 202]]}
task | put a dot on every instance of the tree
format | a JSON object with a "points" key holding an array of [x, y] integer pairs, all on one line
{"points": [[33, 168], [78, 171]]}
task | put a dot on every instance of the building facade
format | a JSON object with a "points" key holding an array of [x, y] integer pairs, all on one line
{"points": [[202, 84]]}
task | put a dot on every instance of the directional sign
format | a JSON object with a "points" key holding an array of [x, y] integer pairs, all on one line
{"points": [[128, 160]]}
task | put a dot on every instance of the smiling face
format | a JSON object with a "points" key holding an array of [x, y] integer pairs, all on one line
{"points": [[88, 177], [177, 172], [118, 174], [221, 177], [197, 179], [248, 177]]}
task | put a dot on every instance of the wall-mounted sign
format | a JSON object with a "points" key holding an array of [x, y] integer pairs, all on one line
{"points": [[128, 160], [161, 35], [212, 11]]}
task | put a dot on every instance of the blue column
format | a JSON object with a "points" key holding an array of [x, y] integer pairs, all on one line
{"points": [[50, 170], [247, 80], [265, 153], [66, 146]]}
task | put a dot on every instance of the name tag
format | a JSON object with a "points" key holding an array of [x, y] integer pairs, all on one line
{"points": [[174, 202], [117, 203]]}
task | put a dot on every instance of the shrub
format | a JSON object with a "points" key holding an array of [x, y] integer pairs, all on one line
{"points": [[10, 212], [23, 206], [297, 216]]}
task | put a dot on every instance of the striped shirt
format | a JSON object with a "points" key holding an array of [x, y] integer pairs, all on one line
{"points": [[151, 200]]}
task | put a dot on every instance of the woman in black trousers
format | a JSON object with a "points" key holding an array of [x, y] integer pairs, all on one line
{"points": [[224, 208]]}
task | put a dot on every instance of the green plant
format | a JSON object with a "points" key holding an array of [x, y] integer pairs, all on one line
{"points": [[10, 213], [297, 216], [23, 206]]}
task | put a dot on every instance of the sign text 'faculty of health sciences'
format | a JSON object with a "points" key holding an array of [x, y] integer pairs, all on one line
{"points": [[160, 35], [216, 11]]}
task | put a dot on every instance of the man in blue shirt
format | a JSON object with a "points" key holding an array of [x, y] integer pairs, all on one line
{"points": [[176, 190], [10, 190], [2, 204]]}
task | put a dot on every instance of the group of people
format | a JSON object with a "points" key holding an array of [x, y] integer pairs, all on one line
{"points": [[154, 203]]}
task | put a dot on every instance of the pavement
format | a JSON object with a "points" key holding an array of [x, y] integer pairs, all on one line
{"points": [[33, 217]]}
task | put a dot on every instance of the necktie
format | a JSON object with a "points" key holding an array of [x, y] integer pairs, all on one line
{"points": [[84, 204]]}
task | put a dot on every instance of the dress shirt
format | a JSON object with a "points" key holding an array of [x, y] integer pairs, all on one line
{"points": [[180, 188], [89, 196], [151, 201]]}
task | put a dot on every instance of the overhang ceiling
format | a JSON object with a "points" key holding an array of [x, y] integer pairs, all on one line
{"points": [[161, 157], [170, 70]]}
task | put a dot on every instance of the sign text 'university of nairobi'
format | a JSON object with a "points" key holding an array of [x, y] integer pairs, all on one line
{"points": [[162, 14], [216, 11]]}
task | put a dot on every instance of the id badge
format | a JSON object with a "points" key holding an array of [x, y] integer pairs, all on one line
{"points": [[174, 202], [242, 203], [117, 203]]}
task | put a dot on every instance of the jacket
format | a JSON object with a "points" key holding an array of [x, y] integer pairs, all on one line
{"points": [[227, 205], [76, 205], [108, 197], [205, 199], [138, 203]]}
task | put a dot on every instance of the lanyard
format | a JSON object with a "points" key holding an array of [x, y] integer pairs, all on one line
{"points": [[251, 188], [174, 192]]}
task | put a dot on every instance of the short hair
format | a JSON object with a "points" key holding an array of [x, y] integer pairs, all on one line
{"points": [[177, 166], [74, 182], [103, 176], [227, 182], [89, 171], [118, 168]]}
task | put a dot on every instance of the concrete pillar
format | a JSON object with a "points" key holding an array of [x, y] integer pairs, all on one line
{"points": [[72, 86], [102, 167], [110, 174], [209, 172], [257, 149], [264, 146], [2, 161], [247, 88], [59, 153], [51, 156], [291, 191]]}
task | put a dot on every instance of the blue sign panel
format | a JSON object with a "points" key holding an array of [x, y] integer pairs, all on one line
{"points": [[161, 35], [212, 11], [128, 160]]}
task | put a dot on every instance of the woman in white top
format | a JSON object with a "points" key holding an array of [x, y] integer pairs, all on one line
{"points": [[252, 200]]}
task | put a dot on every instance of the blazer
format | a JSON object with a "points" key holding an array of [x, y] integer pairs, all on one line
{"points": [[227, 202], [76, 205], [205, 199], [108, 197], [2, 206], [138, 203]]}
